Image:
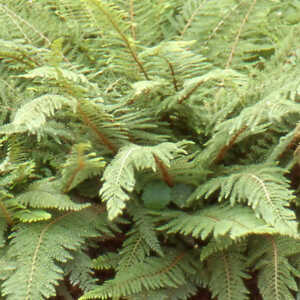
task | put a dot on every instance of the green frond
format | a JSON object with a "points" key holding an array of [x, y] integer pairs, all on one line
{"points": [[227, 274], [140, 242], [40, 248], [19, 26], [151, 274], [181, 116], [7, 266], [218, 245], [32, 115], [101, 123], [181, 293], [56, 74], [235, 222], [26, 56], [119, 175], [263, 187], [269, 255], [110, 14], [48, 194]]}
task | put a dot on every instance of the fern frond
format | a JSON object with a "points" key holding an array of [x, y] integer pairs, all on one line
{"points": [[180, 293], [119, 175], [269, 255], [33, 215], [151, 274], [140, 241], [23, 26], [236, 222], [263, 187], [100, 122], [228, 273], [48, 194], [57, 74], [32, 115], [106, 261], [113, 15], [39, 249]]}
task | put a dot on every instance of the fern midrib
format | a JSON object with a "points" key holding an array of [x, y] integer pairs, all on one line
{"points": [[228, 275], [275, 260], [237, 38]]}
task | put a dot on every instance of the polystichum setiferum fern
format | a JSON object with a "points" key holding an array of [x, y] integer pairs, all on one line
{"points": [[155, 142]]}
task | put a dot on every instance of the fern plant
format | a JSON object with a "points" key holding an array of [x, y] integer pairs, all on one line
{"points": [[149, 149]]}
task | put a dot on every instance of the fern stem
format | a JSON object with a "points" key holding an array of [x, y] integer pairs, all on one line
{"points": [[164, 172], [6, 214], [133, 33], [104, 140], [124, 38], [190, 92], [237, 38], [172, 73], [215, 30], [225, 149], [191, 19]]}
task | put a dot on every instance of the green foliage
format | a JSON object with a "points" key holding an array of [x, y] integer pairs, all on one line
{"points": [[155, 142]]}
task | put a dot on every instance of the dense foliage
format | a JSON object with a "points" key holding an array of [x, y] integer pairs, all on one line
{"points": [[149, 149]]}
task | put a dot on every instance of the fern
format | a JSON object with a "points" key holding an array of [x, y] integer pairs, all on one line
{"points": [[259, 196], [36, 274], [271, 259], [149, 149], [119, 175], [235, 222], [151, 274]]}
